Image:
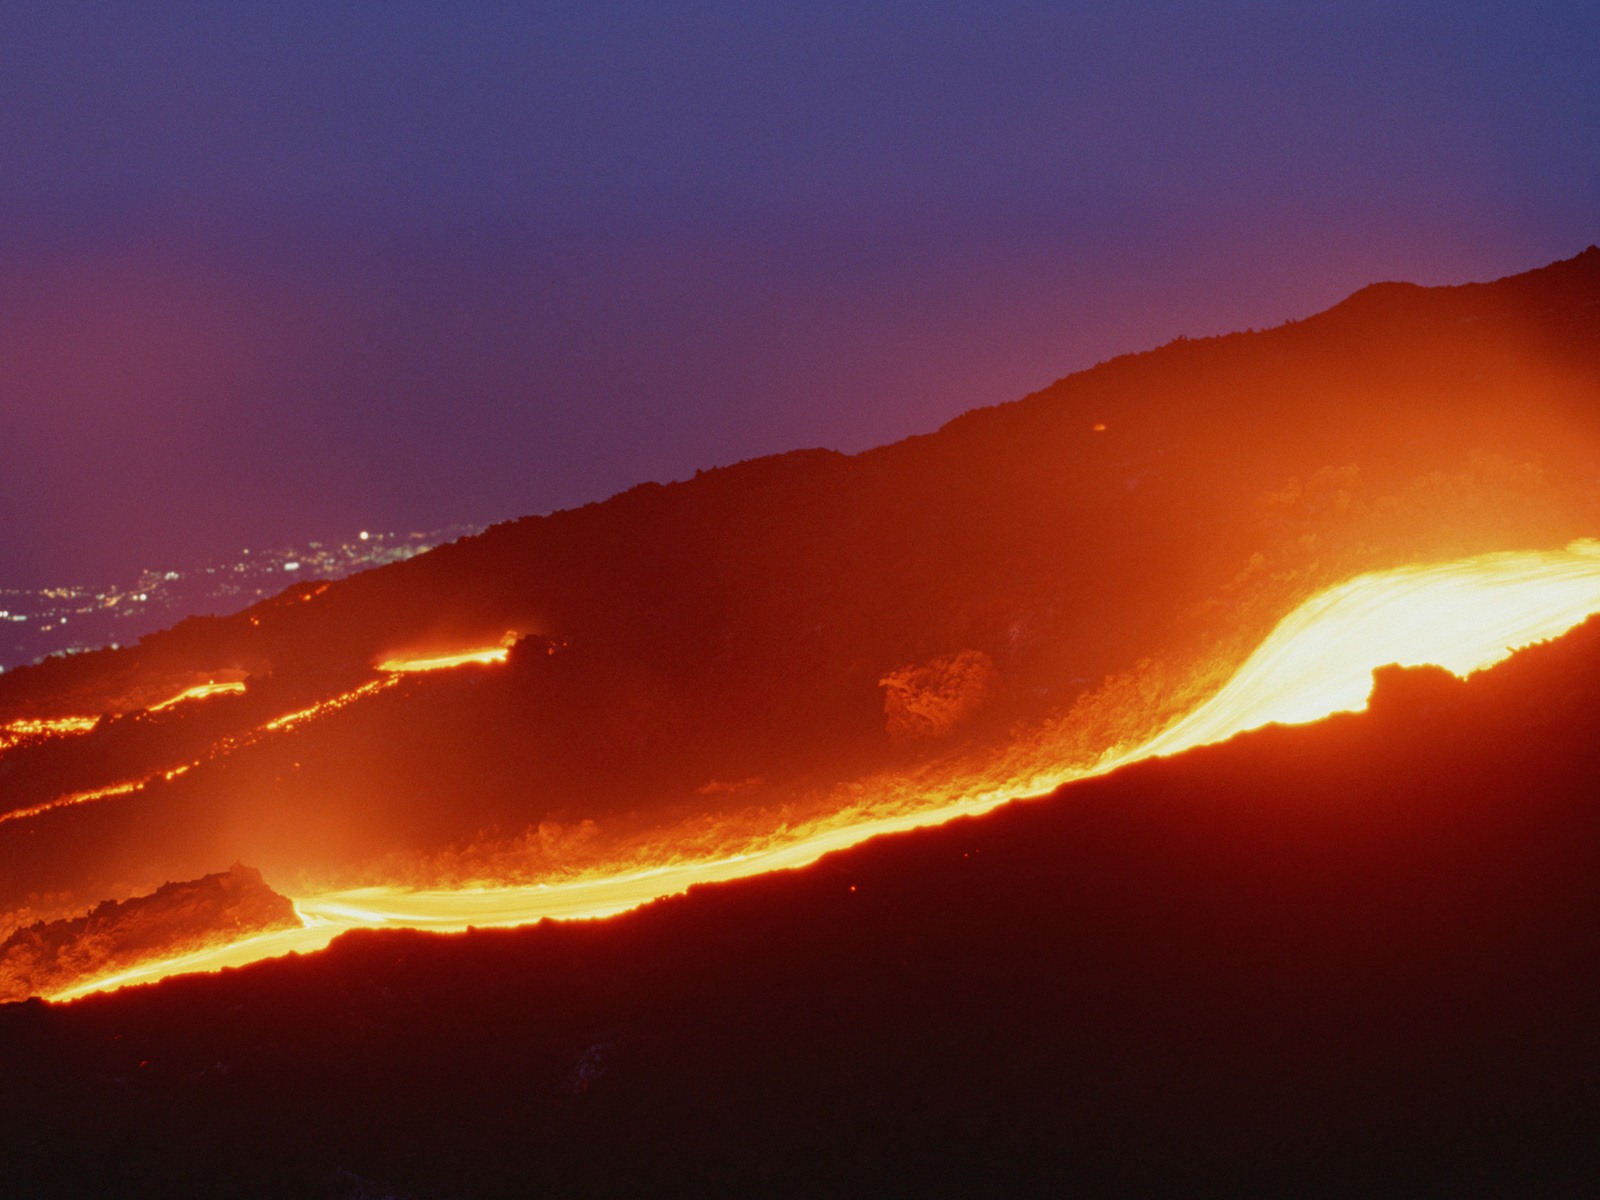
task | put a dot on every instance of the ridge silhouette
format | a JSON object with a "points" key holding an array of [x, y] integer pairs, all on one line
{"points": [[723, 644]]}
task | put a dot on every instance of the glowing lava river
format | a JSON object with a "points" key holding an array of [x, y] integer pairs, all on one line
{"points": [[1463, 615]]}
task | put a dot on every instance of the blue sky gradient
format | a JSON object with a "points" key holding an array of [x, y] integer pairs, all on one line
{"points": [[273, 272]]}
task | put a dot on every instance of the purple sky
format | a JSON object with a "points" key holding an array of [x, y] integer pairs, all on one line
{"points": [[273, 272]]}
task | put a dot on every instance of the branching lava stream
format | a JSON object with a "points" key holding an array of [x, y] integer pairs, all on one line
{"points": [[1463, 615], [393, 670]]}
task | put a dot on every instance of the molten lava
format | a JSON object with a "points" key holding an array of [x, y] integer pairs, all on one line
{"points": [[1463, 615], [443, 662], [29, 729], [33, 729], [322, 708], [199, 692], [85, 797]]}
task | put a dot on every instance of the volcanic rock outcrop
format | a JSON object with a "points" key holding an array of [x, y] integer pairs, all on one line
{"points": [[178, 917]]}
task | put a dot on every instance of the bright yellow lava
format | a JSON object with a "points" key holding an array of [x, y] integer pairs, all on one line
{"points": [[394, 668], [199, 692], [443, 662], [31, 728], [75, 798], [1463, 615], [324, 707]]}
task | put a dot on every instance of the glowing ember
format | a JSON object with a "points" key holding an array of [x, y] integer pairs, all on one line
{"points": [[323, 707], [28, 729], [220, 749], [1463, 615], [394, 667], [74, 798]]}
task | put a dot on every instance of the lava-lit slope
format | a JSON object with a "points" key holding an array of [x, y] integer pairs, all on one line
{"points": [[1350, 957], [46, 957], [731, 642], [1008, 502], [1465, 615]]}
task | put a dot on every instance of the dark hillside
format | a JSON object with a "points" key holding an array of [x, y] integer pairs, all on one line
{"points": [[737, 628], [1349, 958], [1396, 384]]}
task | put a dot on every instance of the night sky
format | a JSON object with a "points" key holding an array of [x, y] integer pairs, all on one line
{"points": [[284, 271]]}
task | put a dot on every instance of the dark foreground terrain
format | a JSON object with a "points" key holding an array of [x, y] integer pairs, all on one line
{"points": [[1354, 958]]}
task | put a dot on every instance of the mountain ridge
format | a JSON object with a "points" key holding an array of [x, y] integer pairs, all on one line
{"points": [[1118, 541], [1566, 279]]}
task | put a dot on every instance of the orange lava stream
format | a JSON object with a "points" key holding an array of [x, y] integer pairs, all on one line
{"points": [[75, 798], [318, 710], [223, 747], [199, 692], [443, 662], [31, 728], [39, 728], [1463, 615], [226, 745]]}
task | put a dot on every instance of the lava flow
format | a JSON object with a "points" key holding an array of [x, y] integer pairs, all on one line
{"points": [[443, 662], [1463, 615], [200, 691], [26, 729], [220, 749], [393, 669]]}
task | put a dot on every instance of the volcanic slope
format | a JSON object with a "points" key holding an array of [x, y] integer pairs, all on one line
{"points": [[1354, 957], [747, 645]]}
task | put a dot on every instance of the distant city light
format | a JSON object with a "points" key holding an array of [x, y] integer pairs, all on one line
{"points": [[168, 595]]}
